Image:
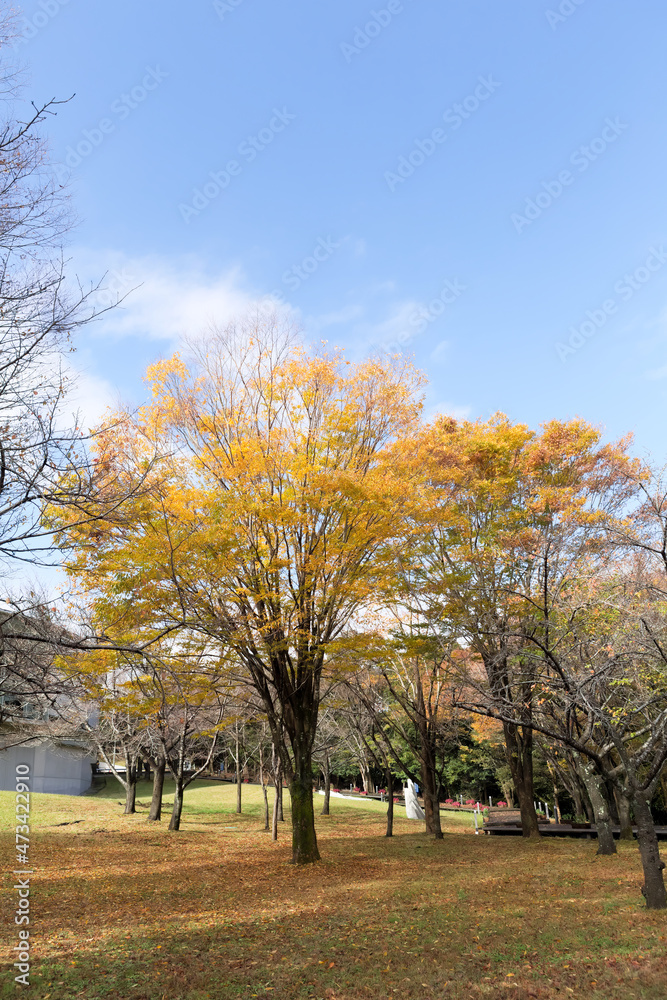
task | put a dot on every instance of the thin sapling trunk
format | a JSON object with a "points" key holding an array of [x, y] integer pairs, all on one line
{"points": [[155, 812], [390, 803], [327, 786]]}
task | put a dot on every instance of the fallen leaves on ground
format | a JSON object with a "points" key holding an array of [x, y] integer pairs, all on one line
{"points": [[130, 911]]}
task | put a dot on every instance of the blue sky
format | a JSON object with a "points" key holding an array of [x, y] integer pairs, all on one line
{"points": [[479, 183]]}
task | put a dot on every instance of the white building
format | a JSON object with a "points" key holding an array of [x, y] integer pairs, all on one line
{"points": [[59, 766]]}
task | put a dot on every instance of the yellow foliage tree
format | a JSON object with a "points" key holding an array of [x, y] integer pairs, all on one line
{"points": [[284, 475]]}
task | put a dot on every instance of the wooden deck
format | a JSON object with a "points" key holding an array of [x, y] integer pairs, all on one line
{"points": [[580, 830]]}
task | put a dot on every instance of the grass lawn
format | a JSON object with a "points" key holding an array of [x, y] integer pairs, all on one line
{"points": [[126, 910]]}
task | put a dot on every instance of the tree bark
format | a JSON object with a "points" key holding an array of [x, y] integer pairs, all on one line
{"points": [[431, 799], [277, 797], [366, 777], [264, 791], [304, 838], [238, 771], [519, 747], [266, 806], [277, 768], [557, 812], [327, 786], [596, 789], [653, 889], [390, 802], [155, 812], [175, 821], [131, 785], [588, 808], [508, 792], [274, 820], [623, 805], [578, 803]]}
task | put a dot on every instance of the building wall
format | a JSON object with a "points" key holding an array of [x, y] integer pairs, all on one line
{"points": [[57, 769]]}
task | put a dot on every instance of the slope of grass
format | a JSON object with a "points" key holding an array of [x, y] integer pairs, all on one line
{"points": [[124, 909]]}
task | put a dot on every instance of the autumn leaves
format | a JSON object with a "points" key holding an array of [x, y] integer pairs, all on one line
{"points": [[282, 500]]}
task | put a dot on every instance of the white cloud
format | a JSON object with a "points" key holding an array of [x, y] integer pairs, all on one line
{"points": [[395, 332], [165, 299], [89, 396], [440, 351]]}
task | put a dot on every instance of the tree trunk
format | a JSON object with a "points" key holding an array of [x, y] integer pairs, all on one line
{"points": [[609, 792], [264, 791], [366, 777], [304, 838], [155, 812], [588, 809], [653, 889], [277, 768], [578, 803], [427, 755], [276, 800], [596, 789], [390, 803], [266, 806], [175, 821], [558, 817], [238, 771], [431, 799], [552, 775], [130, 798], [130, 786], [519, 747], [327, 786], [508, 792], [623, 805]]}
